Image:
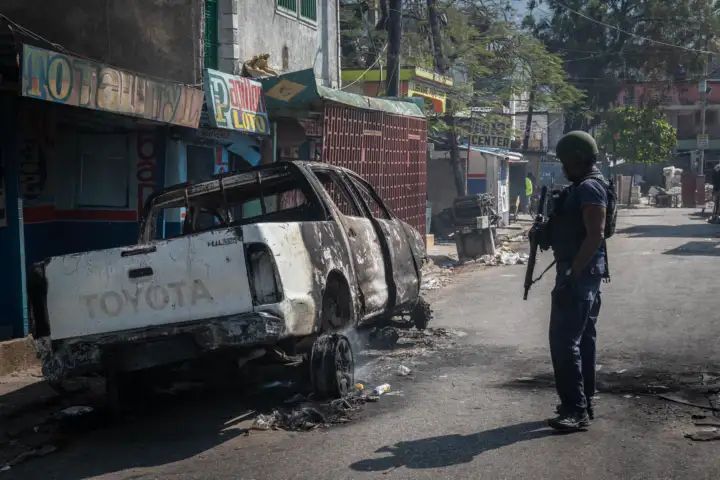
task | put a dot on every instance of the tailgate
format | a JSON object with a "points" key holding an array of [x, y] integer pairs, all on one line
{"points": [[183, 279]]}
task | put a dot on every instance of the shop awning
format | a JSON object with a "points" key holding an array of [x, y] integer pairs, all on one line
{"points": [[294, 94], [512, 157]]}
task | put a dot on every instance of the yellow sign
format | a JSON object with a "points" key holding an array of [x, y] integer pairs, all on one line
{"points": [[285, 90]]}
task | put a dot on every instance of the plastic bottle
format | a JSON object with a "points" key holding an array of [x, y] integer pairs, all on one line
{"points": [[381, 389]]}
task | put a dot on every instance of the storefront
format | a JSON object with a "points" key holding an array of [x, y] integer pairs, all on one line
{"points": [[489, 172], [83, 145], [383, 140]]}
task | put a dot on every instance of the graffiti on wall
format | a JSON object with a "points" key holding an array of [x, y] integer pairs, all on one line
{"points": [[236, 103], [60, 78], [145, 169]]}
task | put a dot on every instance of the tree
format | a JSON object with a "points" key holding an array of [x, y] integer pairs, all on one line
{"points": [[540, 76], [502, 62], [640, 135], [605, 43]]}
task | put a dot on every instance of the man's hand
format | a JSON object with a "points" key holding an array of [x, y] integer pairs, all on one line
{"points": [[594, 221]]}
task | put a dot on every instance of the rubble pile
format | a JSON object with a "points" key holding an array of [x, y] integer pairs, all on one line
{"points": [[437, 273], [504, 256]]}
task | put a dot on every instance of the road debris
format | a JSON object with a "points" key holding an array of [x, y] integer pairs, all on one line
{"points": [[504, 256], [704, 435], [297, 398], [707, 422], [437, 273], [75, 411], [404, 371], [380, 389], [35, 452], [677, 399], [383, 338]]}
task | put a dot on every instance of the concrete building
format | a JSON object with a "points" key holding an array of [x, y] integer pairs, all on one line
{"points": [[415, 82], [92, 96], [682, 104], [298, 34]]}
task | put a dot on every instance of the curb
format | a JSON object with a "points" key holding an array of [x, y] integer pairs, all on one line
{"points": [[17, 355]]}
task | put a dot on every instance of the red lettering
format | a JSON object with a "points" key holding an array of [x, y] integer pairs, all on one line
{"points": [[145, 168], [234, 90]]}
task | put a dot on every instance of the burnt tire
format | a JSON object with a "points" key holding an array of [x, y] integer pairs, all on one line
{"points": [[421, 314], [332, 366]]}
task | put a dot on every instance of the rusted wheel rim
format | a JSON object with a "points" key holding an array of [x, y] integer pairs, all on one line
{"points": [[344, 365]]}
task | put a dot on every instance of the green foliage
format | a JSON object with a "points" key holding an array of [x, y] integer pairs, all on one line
{"points": [[641, 135]]}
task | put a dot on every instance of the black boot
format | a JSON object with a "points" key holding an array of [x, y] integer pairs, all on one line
{"points": [[570, 422]]}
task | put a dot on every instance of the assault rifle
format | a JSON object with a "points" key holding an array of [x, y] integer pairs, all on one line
{"points": [[534, 237]]}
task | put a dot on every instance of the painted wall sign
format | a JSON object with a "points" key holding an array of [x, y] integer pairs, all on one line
{"points": [[60, 78], [145, 168], [236, 103]]}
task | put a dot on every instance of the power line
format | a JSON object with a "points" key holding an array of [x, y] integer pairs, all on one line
{"points": [[614, 27], [362, 75]]}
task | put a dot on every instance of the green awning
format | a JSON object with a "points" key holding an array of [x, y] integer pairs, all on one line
{"points": [[294, 94]]}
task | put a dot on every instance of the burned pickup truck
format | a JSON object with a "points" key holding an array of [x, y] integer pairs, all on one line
{"points": [[285, 256]]}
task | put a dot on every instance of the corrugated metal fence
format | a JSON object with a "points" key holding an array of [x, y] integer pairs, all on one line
{"points": [[389, 151]]}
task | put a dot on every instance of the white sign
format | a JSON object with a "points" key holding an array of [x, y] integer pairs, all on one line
{"points": [[703, 141]]}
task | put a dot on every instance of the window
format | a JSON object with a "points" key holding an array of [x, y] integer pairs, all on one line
{"points": [[335, 187], [308, 9], [377, 209], [211, 43], [104, 172], [302, 9], [711, 117], [265, 196]]}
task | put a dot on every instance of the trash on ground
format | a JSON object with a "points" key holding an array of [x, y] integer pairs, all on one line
{"points": [[359, 387], [627, 396], [504, 256], [704, 435], [75, 411], [707, 422], [380, 389], [263, 422], [677, 399], [297, 398], [383, 338], [35, 452], [621, 371], [403, 371]]}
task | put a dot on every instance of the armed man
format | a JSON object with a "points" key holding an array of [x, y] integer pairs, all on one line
{"points": [[576, 233]]}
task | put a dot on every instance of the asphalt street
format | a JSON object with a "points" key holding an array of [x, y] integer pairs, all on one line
{"points": [[477, 409]]}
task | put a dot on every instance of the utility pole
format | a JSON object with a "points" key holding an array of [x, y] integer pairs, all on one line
{"points": [[394, 41], [703, 112]]}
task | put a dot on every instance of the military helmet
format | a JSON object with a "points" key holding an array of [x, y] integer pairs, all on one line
{"points": [[576, 144]]}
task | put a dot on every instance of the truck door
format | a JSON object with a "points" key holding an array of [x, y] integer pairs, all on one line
{"points": [[405, 273], [365, 249]]}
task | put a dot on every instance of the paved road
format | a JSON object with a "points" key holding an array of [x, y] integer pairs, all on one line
{"points": [[476, 411]]}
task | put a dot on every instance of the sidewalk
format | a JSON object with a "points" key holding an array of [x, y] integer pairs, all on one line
{"points": [[17, 355]]}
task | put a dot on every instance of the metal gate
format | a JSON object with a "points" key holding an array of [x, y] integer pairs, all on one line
{"points": [[389, 151]]}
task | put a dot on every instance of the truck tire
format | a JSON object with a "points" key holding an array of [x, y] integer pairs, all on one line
{"points": [[421, 314], [332, 366]]}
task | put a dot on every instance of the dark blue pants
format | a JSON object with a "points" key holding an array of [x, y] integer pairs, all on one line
{"points": [[575, 308]]}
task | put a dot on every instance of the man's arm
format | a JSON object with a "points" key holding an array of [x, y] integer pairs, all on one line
{"points": [[594, 220]]}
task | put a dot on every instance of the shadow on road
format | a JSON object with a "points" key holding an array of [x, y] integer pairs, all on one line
{"points": [[449, 450], [701, 249], [691, 230]]}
